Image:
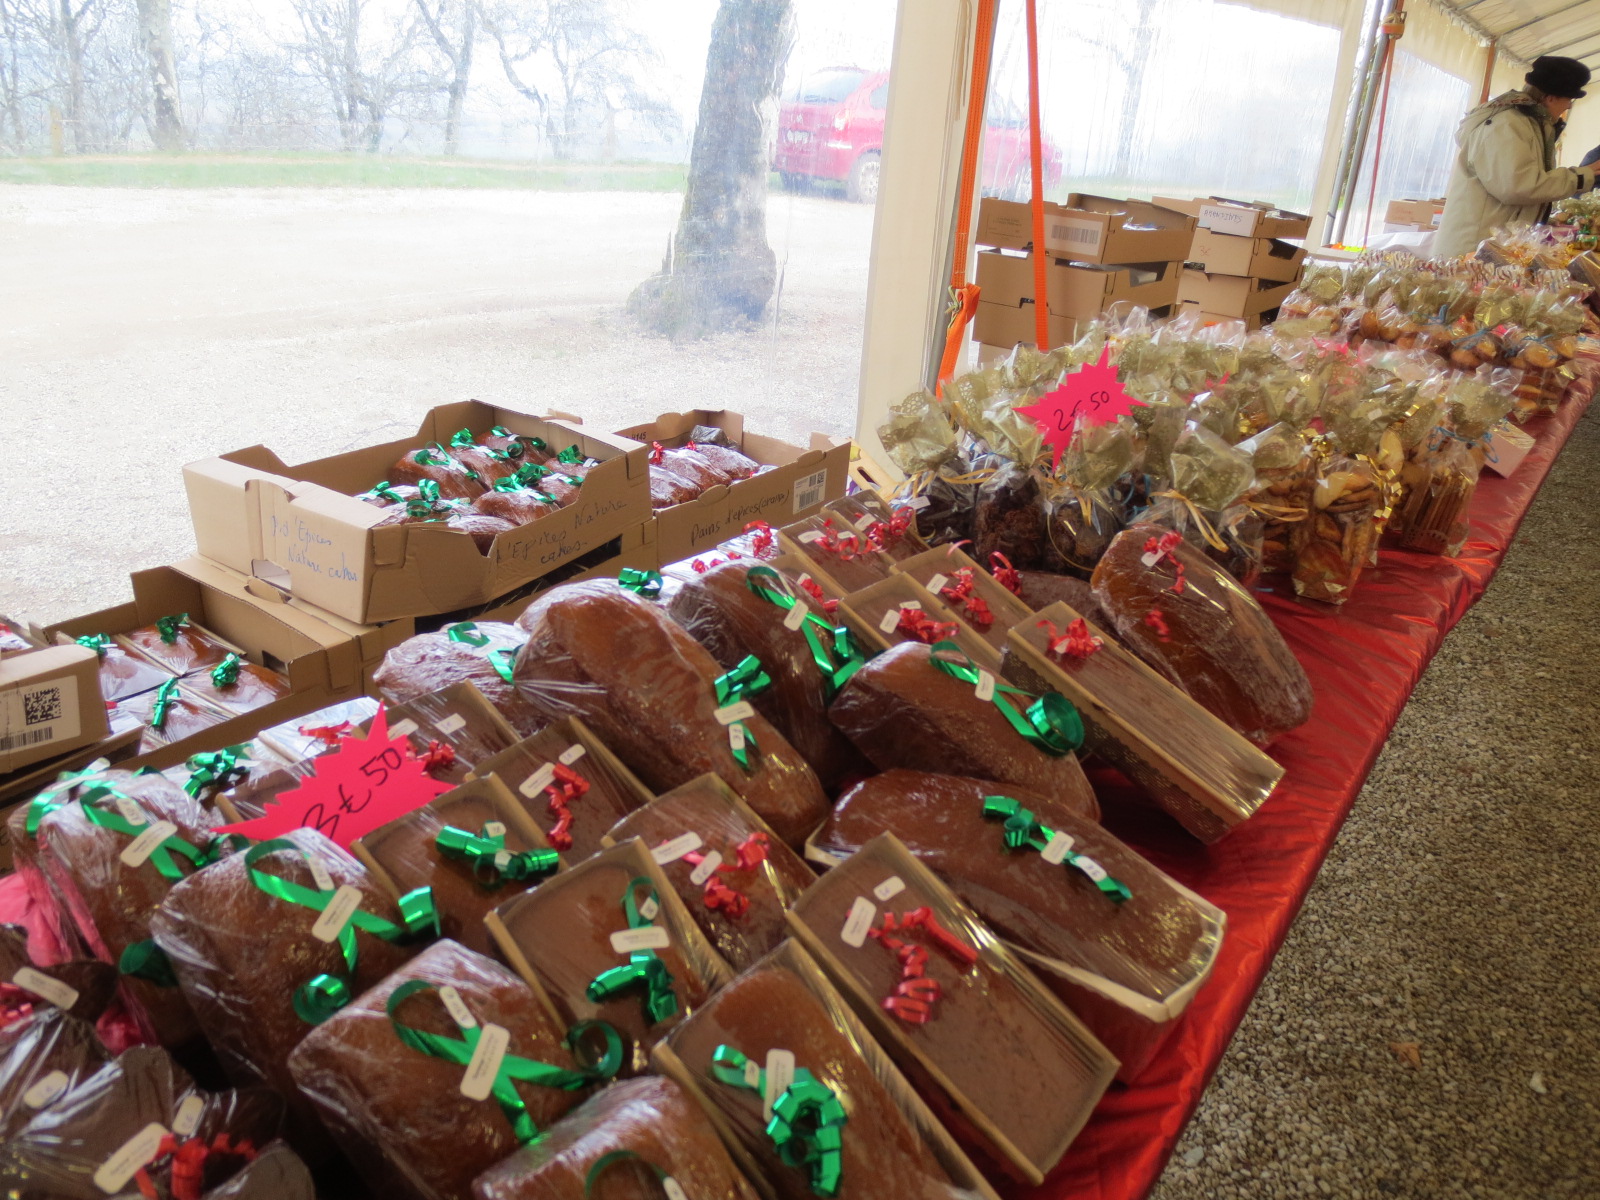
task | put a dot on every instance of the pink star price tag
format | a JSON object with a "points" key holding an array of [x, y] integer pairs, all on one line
{"points": [[1093, 392]]}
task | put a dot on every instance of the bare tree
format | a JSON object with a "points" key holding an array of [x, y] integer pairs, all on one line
{"points": [[719, 271], [365, 66], [155, 35], [453, 25]]}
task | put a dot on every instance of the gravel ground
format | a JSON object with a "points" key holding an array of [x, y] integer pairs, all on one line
{"points": [[1456, 918]]}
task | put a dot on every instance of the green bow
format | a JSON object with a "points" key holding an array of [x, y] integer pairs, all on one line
{"points": [[643, 968], [513, 1070], [221, 769], [385, 491], [616, 1157], [46, 802], [1052, 724], [745, 680], [515, 483], [833, 647], [571, 456], [148, 961], [529, 474], [325, 994], [492, 864], [163, 855], [168, 627], [807, 1124], [461, 439], [434, 455], [513, 451], [226, 673], [1023, 830], [165, 695], [98, 642], [646, 584], [465, 633]]}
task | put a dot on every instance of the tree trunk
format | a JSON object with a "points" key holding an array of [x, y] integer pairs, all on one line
{"points": [[155, 34], [72, 54], [722, 273], [458, 82], [1144, 37]]}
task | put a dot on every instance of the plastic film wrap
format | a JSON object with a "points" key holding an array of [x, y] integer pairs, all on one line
{"points": [[480, 651]]}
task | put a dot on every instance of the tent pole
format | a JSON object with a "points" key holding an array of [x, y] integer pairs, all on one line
{"points": [[1488, 69], [1358, 111]]}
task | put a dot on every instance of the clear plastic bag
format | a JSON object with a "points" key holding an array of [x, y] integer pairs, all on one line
{"points": [[1010, 518], [44, 1055], [85, 985], [451, 730], [320, 731], [1285, 476], [480, 651], [1337, 542]]}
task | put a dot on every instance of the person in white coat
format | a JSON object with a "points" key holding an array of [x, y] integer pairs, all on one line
{"points": [[1505, 172]]}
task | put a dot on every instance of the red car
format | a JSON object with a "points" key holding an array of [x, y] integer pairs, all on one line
{"points": [[831, 129]]}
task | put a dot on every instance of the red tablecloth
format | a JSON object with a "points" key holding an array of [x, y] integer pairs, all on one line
{"points": [[1364, 659]]}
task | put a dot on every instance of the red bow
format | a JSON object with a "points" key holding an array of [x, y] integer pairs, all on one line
{"points": [[959, 588], [978, 612], [188, 1164], [719, 896], [439, 756], [914, 996], [1005, 574], [1156, 621], [563, 789], [813, 589], [1076, 642], [763, 536], [846, 545], [657, 453], [883, 534], [1163, 548], [15, 1004], [328, 735], [919, 626]]}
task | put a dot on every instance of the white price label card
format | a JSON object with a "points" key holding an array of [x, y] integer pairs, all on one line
{"points": [[538, 781], [1057, 849], [131, 812], [889, 889], [187, 1119], [46, 1089], [337, 915], [572, 754], [125, 1162], [862, 914], [62, 995], [137, 852], [649, 908], [916, 604], [796, 616], [1151, 559], [484, 1065], [319, 874], [451, 724], [684, 843], [890, 620], [862, 523], [985, 685], [1091, 868], [780, 1074], [707, 868], [936, 584], [752, 1073], [457, 1008], [729, 713], [502, 859], [494, 829], [736, 737], [918, 503], [812, 535], [403, 728], [646, 937], [673, 1188]]}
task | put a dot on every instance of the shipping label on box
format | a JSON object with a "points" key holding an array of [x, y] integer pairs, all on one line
{"points": [[49, 703], [1241, 219], [1093, 229]]}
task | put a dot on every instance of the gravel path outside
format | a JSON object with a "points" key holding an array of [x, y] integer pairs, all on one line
{"points": [[1458, 914]]}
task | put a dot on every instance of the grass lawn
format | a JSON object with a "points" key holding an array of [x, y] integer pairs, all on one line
{"points": [[354, 170]]}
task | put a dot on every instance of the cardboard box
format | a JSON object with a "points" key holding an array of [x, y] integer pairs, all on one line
{"points": [[1231, 295], [1241, 218], [1078, 292], [803, 481], [1246, 324], [49, 704], [1255, 258], [302, 529], [1423, 214], [1093, 229], [324, 661]]}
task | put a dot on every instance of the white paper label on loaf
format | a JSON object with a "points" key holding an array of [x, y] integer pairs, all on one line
{"points": [[985, 685], [45, 1089], [1151, 559], [62, 995], [937, 583], [187, 1119], [134, 1153], [812, 535], [684, 843], [403, 728], [457, 1008], [736, 737], [917, 503], [452, 724], [319, 874], [890, 620], [916, 604], [862, 914], [646, 937], [752, 1073], [572, 754], [137, 852], [337, 915], [502, 859], [863, 522], [37, 714], [729, 713], [673, 1188], [796, 616], [649, 908], [484, 1065], [494, 829], [889, 889], [538, 781], [130, 810], [780, 1074], [1057, 848], [1090, 868], [706, 869]]}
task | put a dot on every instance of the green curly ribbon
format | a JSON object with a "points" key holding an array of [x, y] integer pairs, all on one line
{"points": [[571, 456], [168, 627], [47, 801], [433, 455], [808, 1120], [514, 483], [1023, 830], [644, 967], [165, 695], [745, 680], [162, 857], [574, 480], [513, 1069], [617, 1157], [384, 491], [466, 633], [221, 770], [148, 961], [833, 647], [226, 673], [529, 474], [538, 444], [323, 995], [492, 864], [98, 642], [1052, 723], [461, 439], [646, 584], [504, 663]]}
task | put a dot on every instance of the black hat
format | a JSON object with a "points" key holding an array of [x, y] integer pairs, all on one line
{"points": [[1554, 76]]}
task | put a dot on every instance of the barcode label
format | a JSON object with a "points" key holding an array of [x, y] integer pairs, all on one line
{"points": [[809, 490], [39, 713], [1075, 235], [29, 737]]}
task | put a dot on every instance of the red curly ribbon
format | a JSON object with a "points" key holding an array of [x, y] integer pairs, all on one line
{"points": [[1156, 621], [15, 1004], [1005, 574], [657, 453], [700, 568], [719, 896], [979, 613], [914, 996], [438, 757], [883, 534], [919, 626], [563, 789], [328, 735], [960, 587], [1076, 642], [763, 539], [188, 1164], [846, 545], [813, 589]]}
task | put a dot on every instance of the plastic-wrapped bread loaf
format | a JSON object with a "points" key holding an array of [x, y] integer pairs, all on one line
{"points": [[481, 527], [123, 674], [734, 614], [903, 710], [236, 686], [389, 1073], [451, 730], [1211, 638], [652, 694], [739, 897], [1126, 967], [735, 464], [456, 482], [84, 986], [43, 1056], [176, 645], [277, 1173], [468, 650], [518, 505], [248, 956], [616, 1146]]}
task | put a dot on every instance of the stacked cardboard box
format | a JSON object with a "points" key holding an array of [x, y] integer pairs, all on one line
{"points": [[1413, 216], [1101, 252], [1241, 263]]}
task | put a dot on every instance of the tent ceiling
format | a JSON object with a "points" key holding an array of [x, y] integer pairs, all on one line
{"points": [[1529, 28]]}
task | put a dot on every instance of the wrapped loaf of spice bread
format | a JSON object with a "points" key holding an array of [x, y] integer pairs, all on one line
{"points": [[929, 708], [651, 693], [518, 498], [490, 463], [235, 686], [433, 462], [736, 877], [262, 962], [890, 530], [43, 1056], [112, 855], [81, 987], [451, 730], [123, 673], [480, 651], [742, 608], [206, 776], [320, 731], [278, 1173], [782, 1015], [170, 714], [400, 1077], [622, 1144], [1005, 1066], [1195, 624], [610, 940], [977, 599], [473, 847], [845, 558], [176, 644], [1124, 946]]}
